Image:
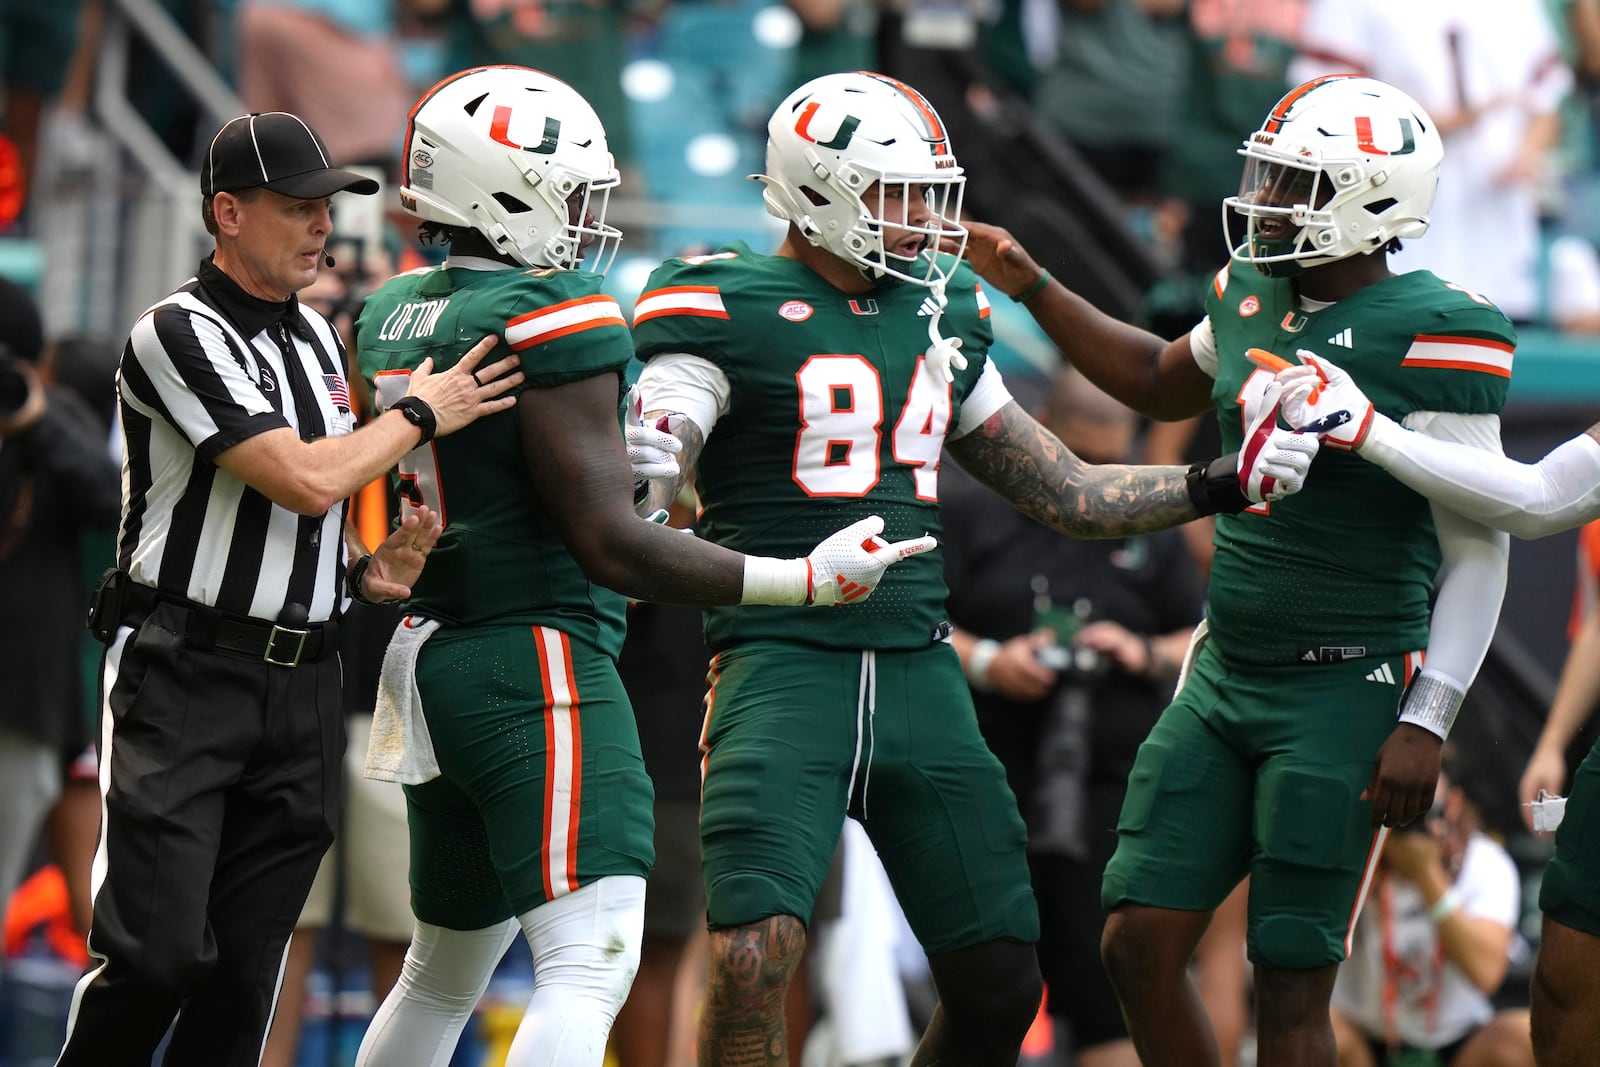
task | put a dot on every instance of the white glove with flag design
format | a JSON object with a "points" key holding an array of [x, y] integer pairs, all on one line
{"points": [[1320, 397], [652, 450], [1273, 462], [846, 567]]}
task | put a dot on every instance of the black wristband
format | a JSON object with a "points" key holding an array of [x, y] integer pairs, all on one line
{"points": [[352, 580], [419, 414], [1214, 486]]}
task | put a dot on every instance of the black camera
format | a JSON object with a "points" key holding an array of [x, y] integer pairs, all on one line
{"points": [[1075, 660]]}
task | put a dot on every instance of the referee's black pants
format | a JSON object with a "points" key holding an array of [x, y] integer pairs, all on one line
{"points": [[219, 777]]}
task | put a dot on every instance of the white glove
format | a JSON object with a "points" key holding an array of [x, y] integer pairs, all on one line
{"points": [[1273, 462], [1320, 397], [652, 450], [847, 566]]}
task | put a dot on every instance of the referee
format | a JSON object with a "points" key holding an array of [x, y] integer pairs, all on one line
{"points": [[221, 728]]}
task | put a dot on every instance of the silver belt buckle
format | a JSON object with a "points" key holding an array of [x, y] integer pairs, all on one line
{"points": [[272, 646]]}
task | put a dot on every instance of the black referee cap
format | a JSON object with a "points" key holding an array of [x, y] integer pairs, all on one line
{"points": [[276, 151]]}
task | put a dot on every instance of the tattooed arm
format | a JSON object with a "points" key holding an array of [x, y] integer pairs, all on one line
{"points": [[1028, 465], [663, 491]]}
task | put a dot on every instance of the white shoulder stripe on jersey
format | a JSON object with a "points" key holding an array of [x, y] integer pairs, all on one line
{"points": [[983, 303], [702, 300], [549, 323], [1460, 353]]}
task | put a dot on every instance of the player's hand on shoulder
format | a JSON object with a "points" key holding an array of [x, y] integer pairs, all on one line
{"points": [[848, 565], [998, 258], [1273, 462], [468, 390]]}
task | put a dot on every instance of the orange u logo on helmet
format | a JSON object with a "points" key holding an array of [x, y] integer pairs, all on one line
{"points": [[841, 137], [1408, 143], [500, 127]]}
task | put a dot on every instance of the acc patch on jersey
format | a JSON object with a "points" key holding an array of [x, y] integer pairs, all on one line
{"points": [[796, 310]]}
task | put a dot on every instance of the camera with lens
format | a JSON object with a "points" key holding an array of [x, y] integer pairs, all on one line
{"points": [[1065, 620], [1075, 661]]}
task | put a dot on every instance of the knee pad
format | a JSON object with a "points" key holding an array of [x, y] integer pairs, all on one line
{"points": [[586, 943], [1293, 942]]}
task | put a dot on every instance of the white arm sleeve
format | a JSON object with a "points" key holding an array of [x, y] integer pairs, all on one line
{"points": [[678, 381], [1559, 492], [1472, 572], [1203, 345], [989, 394]]}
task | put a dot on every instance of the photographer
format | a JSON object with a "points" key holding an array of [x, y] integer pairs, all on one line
{"points": [[57, 482], [1431, 947], [1072, 648]]}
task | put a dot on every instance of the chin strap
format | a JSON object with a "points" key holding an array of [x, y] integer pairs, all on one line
{"points": [[943, 353]]}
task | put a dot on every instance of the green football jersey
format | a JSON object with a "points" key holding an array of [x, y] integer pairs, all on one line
{"points": [[832, 417], [499, 560], [1348, 563]]}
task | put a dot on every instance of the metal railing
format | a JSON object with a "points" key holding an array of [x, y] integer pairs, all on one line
{"points": [[122, 224]]}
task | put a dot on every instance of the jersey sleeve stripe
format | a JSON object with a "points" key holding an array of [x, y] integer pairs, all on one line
{"points": [[1460, 353], [983, 303], [1220, 282], [558, 320], [702, 300]]}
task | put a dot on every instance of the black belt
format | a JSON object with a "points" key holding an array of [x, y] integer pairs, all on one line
{"points": [[208, 629]]}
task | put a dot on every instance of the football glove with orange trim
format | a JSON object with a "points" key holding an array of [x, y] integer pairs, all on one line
{"points": [[1273, 462], [1325, 400]]}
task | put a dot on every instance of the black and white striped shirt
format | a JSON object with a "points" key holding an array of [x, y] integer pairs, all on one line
{"points": [[204, 369]]}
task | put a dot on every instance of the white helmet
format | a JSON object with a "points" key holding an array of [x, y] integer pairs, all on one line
{"points": [[851, 154], [518, 156], [1341, 166]]}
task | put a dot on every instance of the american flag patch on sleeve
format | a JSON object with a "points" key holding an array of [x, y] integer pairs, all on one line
{"points": [[337, 391]]}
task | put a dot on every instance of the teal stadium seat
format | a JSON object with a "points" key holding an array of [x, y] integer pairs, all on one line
{"points": [[701, 89], [22, 262]]}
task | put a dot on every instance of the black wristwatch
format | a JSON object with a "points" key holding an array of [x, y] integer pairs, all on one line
{"points": [[353, 577], [418, 414]]}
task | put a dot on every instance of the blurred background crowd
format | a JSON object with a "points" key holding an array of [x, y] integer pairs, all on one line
{"points": [[1101, 130]]}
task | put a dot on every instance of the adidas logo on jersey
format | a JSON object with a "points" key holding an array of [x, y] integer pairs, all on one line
{"points": [[1342, 339], [929, 306], [1382, 674]]}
